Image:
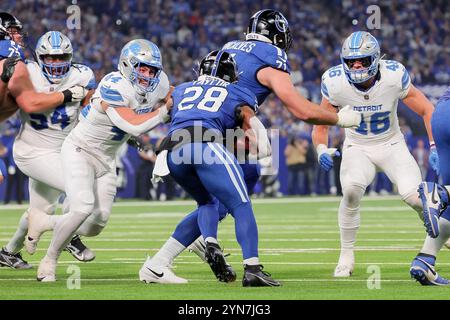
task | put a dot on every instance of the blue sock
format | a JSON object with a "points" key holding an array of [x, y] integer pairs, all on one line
{"points": [[246, 229], [187, 231], [208, 220]]}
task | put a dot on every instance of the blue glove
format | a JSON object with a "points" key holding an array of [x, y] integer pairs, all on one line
{"points": [[433, 159], [326, 156]]}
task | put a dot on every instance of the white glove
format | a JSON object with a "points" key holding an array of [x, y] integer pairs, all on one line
{"points": [[348, 118], [75, 93]]}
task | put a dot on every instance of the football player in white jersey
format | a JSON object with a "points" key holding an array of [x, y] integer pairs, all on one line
{"points": [[37, 147], [121, 106], [373, 87]]}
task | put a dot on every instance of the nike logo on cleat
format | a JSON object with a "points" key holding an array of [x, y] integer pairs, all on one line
{"points": [[159, 275], [432, 195]]}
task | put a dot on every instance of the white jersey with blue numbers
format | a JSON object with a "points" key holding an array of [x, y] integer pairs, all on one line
{"points": [[378, 105], [95, 132], [49, 129]]}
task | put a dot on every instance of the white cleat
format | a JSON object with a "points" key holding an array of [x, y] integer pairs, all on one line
{"points": [[38, 223], [152, 274], [47, 270], [447, 244], [343, 271]]}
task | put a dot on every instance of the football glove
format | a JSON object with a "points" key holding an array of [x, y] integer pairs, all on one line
{"points": [[325, 156], [433, 159], [75, 93], [8, 68], [348, 118]]}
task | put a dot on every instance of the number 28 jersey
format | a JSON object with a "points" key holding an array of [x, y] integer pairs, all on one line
{"points": [[49, 129], [378, 105]]}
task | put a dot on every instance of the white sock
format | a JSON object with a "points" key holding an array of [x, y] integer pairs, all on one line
{"points": [[349, 221], [211, 240], [168, 252], [63, 231], [16, 243], [253, 261], [432, 246]]}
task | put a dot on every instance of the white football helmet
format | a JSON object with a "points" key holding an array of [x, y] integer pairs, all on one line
{"points": [[54, 44], [136, 53]]}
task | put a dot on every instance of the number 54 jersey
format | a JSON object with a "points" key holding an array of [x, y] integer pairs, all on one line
{"points": [[378, 105], [47, 130]]}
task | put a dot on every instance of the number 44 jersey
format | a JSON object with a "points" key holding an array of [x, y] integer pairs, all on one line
{"points": [[378, 105], [48, 129]]}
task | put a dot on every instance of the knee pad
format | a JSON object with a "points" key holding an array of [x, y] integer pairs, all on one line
{"points": [[352, 195]]}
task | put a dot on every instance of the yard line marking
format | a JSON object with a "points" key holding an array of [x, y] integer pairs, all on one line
{"points": [[282, 200], [62, 279], [261, 240]]}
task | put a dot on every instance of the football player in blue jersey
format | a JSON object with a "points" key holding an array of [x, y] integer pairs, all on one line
{"points": [[435, 199], [263, 68], [209, 106]]}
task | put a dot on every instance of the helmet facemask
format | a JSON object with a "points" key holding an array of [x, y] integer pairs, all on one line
{"points": [[56, 67], [142, 82]]}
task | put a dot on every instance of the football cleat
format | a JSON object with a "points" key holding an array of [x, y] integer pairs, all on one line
{"points": [[429, 195], [216, 260], [38, 223], [79, 251], [13, 260], [424, 272], [254, 276], [163, 274], [47, 270], [198, 247], [343, 271]]}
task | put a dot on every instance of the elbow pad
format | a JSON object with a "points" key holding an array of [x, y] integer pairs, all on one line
{"points": [[133, 129]]}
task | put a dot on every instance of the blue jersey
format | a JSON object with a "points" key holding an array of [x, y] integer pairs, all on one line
{"points": [[252, 56], [208, 102], [9, 48], [445, 96]]}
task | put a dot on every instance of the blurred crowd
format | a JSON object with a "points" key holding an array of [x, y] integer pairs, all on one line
{"points": [[416, 33]]}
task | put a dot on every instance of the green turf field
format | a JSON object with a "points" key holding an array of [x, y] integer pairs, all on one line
{"points": [[299, 241]]}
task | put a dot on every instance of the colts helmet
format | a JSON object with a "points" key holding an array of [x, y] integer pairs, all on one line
{"points": [[270, 26], [7, 21], [219, 64], [136, 53], [364, 47], [54, 44]]}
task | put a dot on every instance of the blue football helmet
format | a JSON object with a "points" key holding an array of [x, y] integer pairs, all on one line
{"points": [[137, 53], [364, 47]]}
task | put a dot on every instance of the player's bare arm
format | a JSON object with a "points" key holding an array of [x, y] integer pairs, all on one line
{"points": [[417, 102], [30, 101], [320, 132], [280, 83]]}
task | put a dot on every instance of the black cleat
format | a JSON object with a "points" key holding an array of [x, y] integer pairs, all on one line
{"points": [[13, 260], [216, 260], [254, 276], [79, 250]]}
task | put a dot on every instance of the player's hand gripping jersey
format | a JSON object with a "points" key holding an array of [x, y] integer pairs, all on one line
{"points": [[49, 129], [95, 133], [378, 104]]}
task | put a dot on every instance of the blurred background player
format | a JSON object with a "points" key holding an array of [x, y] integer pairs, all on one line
{"points": [[373, 87], [37, 147], [435, 199], [203, 158], [121, 106], [13, 28], [264, 68]]}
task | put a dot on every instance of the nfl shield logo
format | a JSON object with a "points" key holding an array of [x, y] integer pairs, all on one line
{"points": [[366, 96]]}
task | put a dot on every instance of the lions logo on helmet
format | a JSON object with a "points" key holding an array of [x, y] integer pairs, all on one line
{"points": [[364, 47], [54, 53], [140, 53]]}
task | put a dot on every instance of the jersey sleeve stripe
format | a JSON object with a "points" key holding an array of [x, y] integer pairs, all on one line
{"points": [[110, 94], [405, 80], [324, 89]]}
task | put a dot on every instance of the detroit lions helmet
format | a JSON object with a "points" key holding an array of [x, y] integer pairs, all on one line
{"points": [[270, 26], [137, 53], [219, 64], [54, 45], [362, 46]]}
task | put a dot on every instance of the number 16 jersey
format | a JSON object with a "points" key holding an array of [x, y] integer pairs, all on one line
{"points": [[378, 105]]}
